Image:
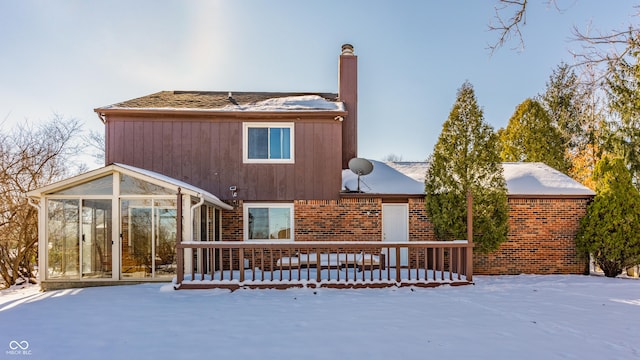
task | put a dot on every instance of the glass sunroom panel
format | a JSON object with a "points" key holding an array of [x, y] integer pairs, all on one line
{"points": [[100, 186], [149, 231], [134, 186], [165, 222], [63, 240], [136, 222], [96, 239]]}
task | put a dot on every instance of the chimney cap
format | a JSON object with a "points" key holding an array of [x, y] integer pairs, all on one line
{"points": [[347, 49]]}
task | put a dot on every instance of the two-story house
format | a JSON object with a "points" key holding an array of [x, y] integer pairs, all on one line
{"points": [[259, 167]]}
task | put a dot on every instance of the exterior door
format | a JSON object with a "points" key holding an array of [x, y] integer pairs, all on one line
{"points": [[148, 238], [395, 228], [96, 239]]}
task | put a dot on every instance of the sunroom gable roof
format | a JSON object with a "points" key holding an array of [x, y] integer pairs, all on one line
{"points": [[146, 175]]}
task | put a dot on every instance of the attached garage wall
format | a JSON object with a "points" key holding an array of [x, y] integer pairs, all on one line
{"points": [[541, 239]]}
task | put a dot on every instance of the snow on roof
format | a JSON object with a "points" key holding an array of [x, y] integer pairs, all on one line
{"points": [[289, 103], [304, 103], [382, 180], [540, 179], [522, 179]]}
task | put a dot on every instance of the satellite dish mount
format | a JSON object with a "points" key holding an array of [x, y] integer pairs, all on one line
{"points": [[360, 167]]}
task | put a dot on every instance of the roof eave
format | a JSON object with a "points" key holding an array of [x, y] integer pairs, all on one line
{"points": [[220, 113], [551, 196]]}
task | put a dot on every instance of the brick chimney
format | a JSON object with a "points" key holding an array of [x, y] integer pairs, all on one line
{"points": [[348, 94]]}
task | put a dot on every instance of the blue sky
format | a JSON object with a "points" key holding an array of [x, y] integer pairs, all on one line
{"points": [[69, 57]]}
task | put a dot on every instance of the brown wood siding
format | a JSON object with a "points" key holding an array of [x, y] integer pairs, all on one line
{"points": [[208, 153]]}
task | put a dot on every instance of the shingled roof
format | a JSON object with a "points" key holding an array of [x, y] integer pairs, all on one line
{"points": [[214, 100]]}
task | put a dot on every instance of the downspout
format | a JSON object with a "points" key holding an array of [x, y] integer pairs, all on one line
{"points": [[101, 117], [193, 208], [41, 249], [30, 202], [469, 272], [179, 250]]}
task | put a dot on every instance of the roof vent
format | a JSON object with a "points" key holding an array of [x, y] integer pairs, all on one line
{"points": [[347, 49]]}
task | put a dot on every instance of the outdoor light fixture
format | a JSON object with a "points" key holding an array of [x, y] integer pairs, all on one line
{"points": [[234, 194]]}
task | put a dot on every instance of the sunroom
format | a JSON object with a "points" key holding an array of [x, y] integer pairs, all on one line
{"points": [[118, 224]]}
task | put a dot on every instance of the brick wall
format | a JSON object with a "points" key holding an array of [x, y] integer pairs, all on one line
{"points": [[541, 236], [420, 228], [541, 239], [338, 220], [232, 228]]}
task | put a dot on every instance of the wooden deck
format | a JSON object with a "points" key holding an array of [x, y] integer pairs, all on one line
{"points": [[238, 264]]}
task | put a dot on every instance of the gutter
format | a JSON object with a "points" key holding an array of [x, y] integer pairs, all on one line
{"points": [[35, 205], [222, 113], [102, 117]]}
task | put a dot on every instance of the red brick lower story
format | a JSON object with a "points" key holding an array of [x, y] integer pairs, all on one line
{"points": [[541, 236]]}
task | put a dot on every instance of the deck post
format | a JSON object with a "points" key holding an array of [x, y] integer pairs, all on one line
{"points": [[241, 265], [469, 270], [398, 265], [318, 267], [179, 251]]}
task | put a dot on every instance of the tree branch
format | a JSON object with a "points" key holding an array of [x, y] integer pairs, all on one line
{"points": [[510, 27]]}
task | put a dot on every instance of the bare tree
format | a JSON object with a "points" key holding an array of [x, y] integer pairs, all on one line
{"points": [[604, 48], [96, 142], [508, 25], [597, 47], [392, 157], [30, 158]]}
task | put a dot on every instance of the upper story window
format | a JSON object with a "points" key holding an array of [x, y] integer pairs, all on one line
{"points": [[268, 142]]}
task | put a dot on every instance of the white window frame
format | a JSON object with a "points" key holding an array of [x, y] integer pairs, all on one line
{"points": [[245, 142], [248, 206]]}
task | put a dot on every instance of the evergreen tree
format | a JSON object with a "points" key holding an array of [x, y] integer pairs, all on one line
{"points": [[610, 231], [624, 99], [563, 101], [466, 158], [531, 137], [576, 109]]}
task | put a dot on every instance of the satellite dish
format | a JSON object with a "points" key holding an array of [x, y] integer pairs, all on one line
{"points": [[360, 167]]}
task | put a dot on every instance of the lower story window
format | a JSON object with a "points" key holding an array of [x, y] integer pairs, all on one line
{"points": [[268, 221]]}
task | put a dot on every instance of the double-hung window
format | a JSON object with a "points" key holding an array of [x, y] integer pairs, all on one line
{"points": [[268, 221], [268, 142]]}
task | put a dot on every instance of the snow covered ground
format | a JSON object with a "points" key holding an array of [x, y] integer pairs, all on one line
{"points": [[502, 317]]}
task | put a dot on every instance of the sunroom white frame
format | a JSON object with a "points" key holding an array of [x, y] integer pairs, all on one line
{"points": [[39, 197]]}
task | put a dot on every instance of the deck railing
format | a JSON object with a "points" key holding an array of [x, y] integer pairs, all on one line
{"points": [[235, 264]]}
